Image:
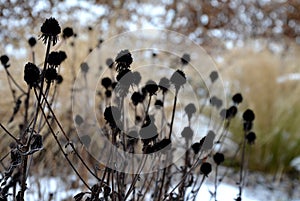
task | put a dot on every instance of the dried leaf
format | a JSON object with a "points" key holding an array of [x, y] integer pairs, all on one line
{"points": [[37, 143], [79, 196]]}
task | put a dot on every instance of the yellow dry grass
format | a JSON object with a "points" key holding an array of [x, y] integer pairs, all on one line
{"points": [[276, 104]]}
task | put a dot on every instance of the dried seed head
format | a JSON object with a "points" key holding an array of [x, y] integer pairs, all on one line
{"points": [[84, 67], [151, 87], [62, 56], [4, 61], [32, 41], [213, 76], [215, 101], [137, 98], [50, 74], [178, 79], [223, 113], [187, 133], [56, 58], [164, 84], [190, 109], [50, 30], [231, 112], [196, 147], [78, 119], [251, 137], [237, 98], [248, 115], [205, 168], [67, 32], [106, 82], [218, 158], [59, 79], [158, 104], [31, 74], [112, 115], [109, 62], [108, 93], [123, 60], [185, 59]]}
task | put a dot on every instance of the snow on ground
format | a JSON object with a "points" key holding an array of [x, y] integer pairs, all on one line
{"points": [[226, 192]]}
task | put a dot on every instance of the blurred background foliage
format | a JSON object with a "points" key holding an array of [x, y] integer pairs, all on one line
{"points": [[255, 44], [201, 20]]}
